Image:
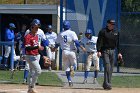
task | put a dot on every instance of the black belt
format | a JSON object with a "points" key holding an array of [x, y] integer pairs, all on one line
{"points": [[109, 48], [91, 52]]}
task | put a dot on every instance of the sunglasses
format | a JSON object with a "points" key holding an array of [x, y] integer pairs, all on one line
{"points": [[112, 24]]}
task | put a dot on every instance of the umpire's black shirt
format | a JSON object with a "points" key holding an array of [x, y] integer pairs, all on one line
{"points": [[107, 40]]}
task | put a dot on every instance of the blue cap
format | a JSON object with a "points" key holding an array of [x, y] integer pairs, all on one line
{"points": [[88, 31], [66, 25], [36, 22], [12, 25], [49, 26]]}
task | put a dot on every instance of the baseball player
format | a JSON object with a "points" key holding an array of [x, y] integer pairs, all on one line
{"points": [[41, 39], [67, 39], [9, 36], [33, 47], [20, 38], [89, 42], [51, 36]]}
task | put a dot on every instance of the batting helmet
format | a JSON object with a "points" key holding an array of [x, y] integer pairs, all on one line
{"points": [[12, 25], [66, 25], [36, 22], [88, 31]]}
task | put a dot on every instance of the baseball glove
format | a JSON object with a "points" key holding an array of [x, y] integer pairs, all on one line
{"points": [[120, 62], [47, 62]]}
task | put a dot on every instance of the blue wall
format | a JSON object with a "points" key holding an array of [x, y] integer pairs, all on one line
{"points": [[91, 14]]}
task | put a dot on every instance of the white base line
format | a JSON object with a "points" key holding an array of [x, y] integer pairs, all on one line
{"points": [[18, 90]]}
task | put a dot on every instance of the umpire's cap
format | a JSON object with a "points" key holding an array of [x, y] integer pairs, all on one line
{"points": [[12, 25], [36, 22], [88, 31], [66, 25], [112, 21]]}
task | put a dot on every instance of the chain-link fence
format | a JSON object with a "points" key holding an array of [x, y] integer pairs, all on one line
{"points": [[129, 39], [82, 16]]}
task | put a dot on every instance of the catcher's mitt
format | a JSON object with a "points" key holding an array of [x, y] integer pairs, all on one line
{"points": [[47, 62], [120, 62]]}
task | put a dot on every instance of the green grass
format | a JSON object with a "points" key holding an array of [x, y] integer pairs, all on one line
{"points": [[124, 81], [46, 78]]}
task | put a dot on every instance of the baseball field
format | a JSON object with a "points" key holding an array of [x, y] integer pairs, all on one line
{"points": [[50, 82]]}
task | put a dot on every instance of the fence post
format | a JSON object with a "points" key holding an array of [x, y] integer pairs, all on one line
{"points": [[12, 56], [61, 28]]}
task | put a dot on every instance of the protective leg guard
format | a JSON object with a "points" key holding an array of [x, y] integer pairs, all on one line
{"points": [[86, 74]]}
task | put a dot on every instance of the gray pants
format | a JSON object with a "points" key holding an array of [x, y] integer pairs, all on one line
{"points": [[34, 69], [108, 60]]}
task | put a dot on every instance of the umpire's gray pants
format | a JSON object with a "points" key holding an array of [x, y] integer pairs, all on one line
{"points": [[34, 69], [108, 59]]}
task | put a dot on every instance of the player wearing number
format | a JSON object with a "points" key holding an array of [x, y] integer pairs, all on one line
{"points": [[89, 42], [67, 39]]}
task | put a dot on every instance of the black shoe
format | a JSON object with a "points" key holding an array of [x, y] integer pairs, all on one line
{"points": [[85, 81], [107, 87], [37, 83], [70, 84]]}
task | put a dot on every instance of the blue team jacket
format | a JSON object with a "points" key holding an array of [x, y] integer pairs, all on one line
{"points": [[9, 35]]}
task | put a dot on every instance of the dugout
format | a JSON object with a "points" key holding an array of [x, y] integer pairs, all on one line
{"points": [[24, 14]]}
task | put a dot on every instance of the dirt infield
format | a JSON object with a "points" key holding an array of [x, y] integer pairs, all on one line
{"points": [[15, 88]]}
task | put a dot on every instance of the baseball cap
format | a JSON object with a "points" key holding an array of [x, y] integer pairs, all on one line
{"points": [[66, 25], [49, 26], [12, 25], [111, 21], [88, 31]]}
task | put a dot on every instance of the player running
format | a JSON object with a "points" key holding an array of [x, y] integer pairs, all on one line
{"points": [[67, 39], [41, 39], [89, 42]]}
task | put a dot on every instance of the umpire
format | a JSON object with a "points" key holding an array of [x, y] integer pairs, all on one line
{"points": [[108, 41]]}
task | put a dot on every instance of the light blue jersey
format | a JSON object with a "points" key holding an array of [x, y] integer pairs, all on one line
{"points": [[90, 44]]}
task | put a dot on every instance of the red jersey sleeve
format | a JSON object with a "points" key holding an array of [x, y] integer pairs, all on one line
{"points": [[27, 41]]}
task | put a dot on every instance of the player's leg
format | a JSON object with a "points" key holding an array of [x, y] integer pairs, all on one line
{"points": [[112, 59], [26, 72], [67, 64], [49, 54], [87, 67], [73, 62], [96, 67], [106, 61], [35, 66], [53, 60], [6, 55]]}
